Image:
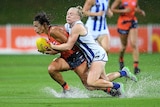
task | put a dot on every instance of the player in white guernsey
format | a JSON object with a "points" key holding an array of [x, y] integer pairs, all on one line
{"points": [[95, 54], [92, 50], [97, 10]]}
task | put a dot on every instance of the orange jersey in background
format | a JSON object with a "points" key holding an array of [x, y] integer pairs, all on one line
{"points": [[124, 20]]}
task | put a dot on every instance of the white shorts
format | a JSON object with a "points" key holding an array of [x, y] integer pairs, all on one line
{"points": [[99, 56]]}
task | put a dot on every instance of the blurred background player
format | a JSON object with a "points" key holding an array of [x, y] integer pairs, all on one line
{"points": [[97, 10], [127, 28]]}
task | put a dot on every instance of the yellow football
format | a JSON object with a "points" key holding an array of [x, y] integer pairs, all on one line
{"points": [[41, 44]]}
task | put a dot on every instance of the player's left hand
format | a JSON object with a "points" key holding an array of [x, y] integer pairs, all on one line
{"points": [[50, 51]]}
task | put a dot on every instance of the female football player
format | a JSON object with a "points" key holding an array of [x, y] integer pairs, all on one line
{"points": [[127, 28], [95, 55], [69, 60]]}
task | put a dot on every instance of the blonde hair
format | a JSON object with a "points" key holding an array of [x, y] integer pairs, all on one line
{"points": [[79, 11]]}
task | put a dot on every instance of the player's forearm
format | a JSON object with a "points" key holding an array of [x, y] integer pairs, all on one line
{"points": [[140, 11]]}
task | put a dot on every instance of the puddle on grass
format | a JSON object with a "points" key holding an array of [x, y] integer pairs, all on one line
{"points": [[147, 87]]}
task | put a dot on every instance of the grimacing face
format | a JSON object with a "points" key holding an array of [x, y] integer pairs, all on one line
{"points": [[72, 15], [38, 28]]}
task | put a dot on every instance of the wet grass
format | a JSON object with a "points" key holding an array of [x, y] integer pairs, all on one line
{"points": [[23, 79]]}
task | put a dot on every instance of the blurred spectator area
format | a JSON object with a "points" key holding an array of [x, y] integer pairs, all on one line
{"points": [[23, 11], [21, 39], [17, 34]]}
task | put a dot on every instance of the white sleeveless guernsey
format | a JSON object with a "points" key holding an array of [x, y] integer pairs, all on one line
{"points": [[91, 49], [97, 25]]}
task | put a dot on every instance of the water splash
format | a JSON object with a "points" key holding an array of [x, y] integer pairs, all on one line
{"points": [[147, 86], [74, 93]]}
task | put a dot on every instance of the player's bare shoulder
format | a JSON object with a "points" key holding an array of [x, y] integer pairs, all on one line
{"points": [[59, 33]]}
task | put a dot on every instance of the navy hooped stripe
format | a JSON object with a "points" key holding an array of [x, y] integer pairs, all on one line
{"points": [[103, 6], [100, 26], [97, 1], [101, 18], [95, 18], [104, 27], [88, 58], [89, 50]]}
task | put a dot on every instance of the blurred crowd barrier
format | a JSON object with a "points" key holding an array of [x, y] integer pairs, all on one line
{"points": [[20, 39]]}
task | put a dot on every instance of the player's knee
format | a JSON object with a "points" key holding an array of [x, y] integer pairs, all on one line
{"points": [[88, 87], [107, 49], [91, 83], [51, 69], [134, 46], [123, 48]]}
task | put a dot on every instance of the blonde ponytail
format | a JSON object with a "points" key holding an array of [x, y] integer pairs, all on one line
{"points": [[80, 13]]}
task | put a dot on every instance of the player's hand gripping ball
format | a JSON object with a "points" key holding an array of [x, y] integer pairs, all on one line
{"points": [[42, 44]]}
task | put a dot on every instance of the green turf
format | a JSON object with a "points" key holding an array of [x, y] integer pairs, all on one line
{"points": [[24, 78]]}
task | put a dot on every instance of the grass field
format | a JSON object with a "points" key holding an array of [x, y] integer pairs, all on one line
{"points": [[24, 82]]}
